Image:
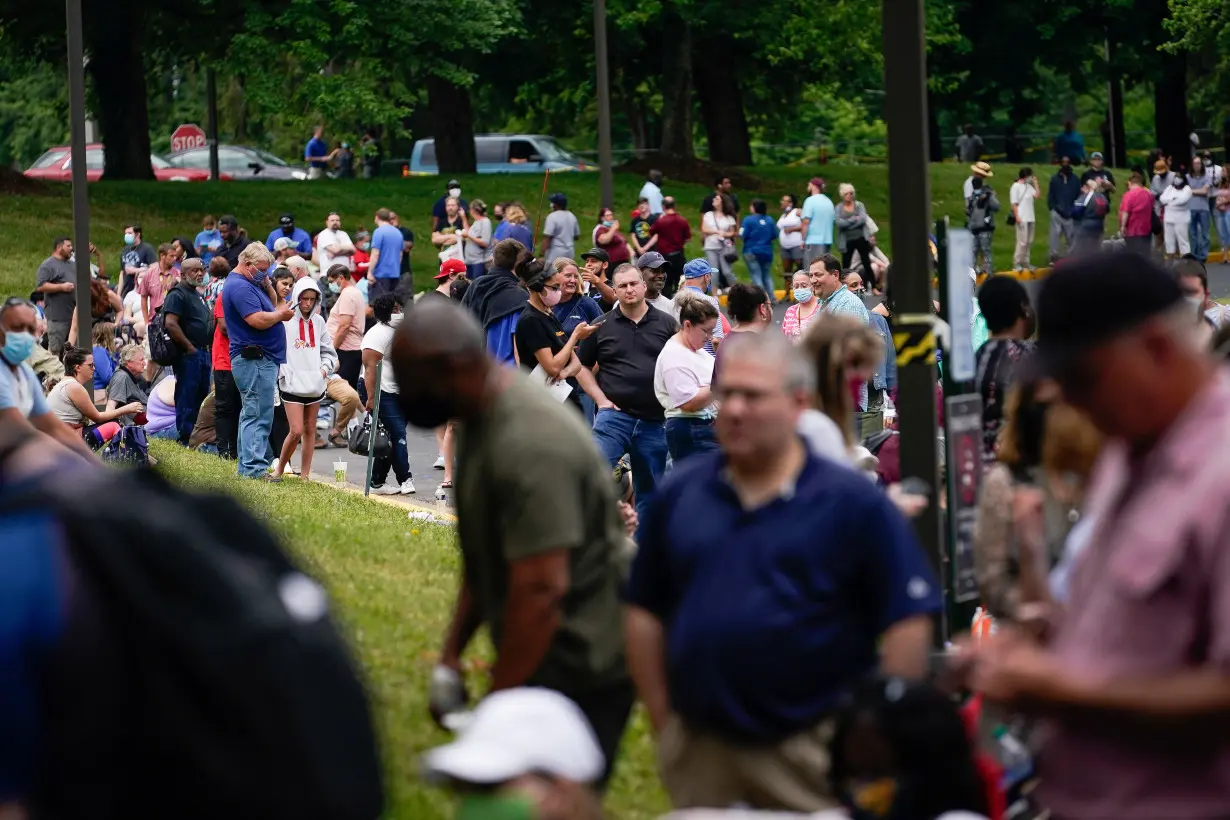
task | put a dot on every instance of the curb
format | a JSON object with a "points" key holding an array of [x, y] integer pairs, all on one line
{"points": [[447, 518]]}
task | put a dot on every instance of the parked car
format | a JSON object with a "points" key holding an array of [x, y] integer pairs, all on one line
{"points": [[239, 162], [56, 164], [504, 154]]}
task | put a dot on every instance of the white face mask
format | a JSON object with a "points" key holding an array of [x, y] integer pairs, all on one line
{"points": [[454, 192], [1195, 301], [396, 319]]}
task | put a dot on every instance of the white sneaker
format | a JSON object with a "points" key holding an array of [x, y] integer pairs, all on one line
{"points": [[386, 489], [407, 487], [439, 465]]}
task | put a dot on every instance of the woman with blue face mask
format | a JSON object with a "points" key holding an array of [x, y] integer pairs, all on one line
{"points": [[805, 309]]}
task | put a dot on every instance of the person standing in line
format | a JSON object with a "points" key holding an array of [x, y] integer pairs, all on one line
{"points": [[698, 277], [439, 210], [157, 282], [1220, 202], [1136, 216], [980, 210], [1089, 214], [818, 217], [766, 523], [226, 394], [717, 225], [673, 233], [758, 232], [208, 241], [57, 281], [384, 270], [789, 239], [804, 311], [377, 345], [1021, 198], [852, 229], [542, 538], [345, 325], [1060, 196], [234, 240], [477, 239], [1176, 218], [608, 236], [682, 379], [625, 350], [560, 230], [310, 362], [574, 307], [300, 239], [653, 270], [498, 298], [137, 257], [189, 324], [639, 233], [1200, 180], [333, 245], [316, 154], [254, 315], [651, 192]]}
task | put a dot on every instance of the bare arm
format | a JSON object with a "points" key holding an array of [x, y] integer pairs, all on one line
{"points": [[589, 384], [532, 614], [83, 402], [56, 287], [645, 646], [371, 264], [145, 311], [555, 364], [371, 358], [702, 399], [438, 238], [906, 646], [608, 293], [48, 424]]}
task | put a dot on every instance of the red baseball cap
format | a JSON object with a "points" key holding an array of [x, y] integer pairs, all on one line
{"points": [[450, 266]]}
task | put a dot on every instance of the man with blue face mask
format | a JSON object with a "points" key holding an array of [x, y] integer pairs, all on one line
{"points": [[22, 405], [698, 276]]}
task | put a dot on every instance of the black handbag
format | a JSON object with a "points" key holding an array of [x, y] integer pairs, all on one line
{"points": [[361, 440], [729, 254]]}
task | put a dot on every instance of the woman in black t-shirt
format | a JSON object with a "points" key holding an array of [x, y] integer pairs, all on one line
{"points": [[540, 340]]}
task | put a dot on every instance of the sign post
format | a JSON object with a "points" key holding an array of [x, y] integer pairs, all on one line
{"points": [[186, 137], [963, 417]]}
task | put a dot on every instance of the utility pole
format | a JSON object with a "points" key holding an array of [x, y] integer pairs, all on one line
{"points": [[81, 196], [909, 211], [211, 123], [605, 171]]}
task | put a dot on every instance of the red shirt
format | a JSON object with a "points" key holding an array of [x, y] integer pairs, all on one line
{"points": [[362, 260], [673, 232], [1138, 205], [222, 347]]}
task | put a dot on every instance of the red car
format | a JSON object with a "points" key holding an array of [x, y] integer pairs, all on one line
{"points": [[56, 164]]}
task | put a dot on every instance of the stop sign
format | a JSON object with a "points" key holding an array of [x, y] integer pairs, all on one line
{"points": [[187, 136]]}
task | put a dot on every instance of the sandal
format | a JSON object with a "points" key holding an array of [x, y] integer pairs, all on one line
{"points": [[446, 484], [338, 440]]}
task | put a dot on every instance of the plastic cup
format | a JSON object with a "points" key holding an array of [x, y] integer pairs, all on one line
{"points": [[339, 472]]}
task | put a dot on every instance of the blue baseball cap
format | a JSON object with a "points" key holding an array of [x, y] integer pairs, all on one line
{"points": [[698, 268]]}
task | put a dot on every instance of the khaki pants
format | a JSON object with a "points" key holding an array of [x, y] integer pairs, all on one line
{"points": [[701, 770], [1024, 239], [347, 399]]}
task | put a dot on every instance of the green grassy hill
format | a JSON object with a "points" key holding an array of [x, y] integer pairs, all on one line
{"points": [[164, 210]]}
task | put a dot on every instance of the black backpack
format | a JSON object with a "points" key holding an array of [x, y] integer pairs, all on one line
{"points": [[200, 673], [162, 348]]}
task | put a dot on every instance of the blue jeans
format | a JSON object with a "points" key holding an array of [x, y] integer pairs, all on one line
{"points": [[391, 418], [685, 436], [257, 379], [475, 271], [192, 374], [1222, 220], [644, 441], [761, 269], [1199, 233]]}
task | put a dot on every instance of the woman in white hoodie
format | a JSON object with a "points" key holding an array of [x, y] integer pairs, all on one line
{"points": [[310, 359], [1176, 219]]}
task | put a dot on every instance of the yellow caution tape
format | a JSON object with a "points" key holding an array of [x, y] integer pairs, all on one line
{"points": [[914, 343]]}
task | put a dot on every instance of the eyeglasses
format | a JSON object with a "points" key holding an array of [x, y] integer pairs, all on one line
{"points": [[18, 301]]}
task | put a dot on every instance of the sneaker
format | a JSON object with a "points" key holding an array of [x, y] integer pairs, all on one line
{"points": [[407, 487], [385, 489], [439, 465]]}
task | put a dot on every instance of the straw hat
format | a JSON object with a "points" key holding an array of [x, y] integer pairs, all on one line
{"points": [[982, 169]]}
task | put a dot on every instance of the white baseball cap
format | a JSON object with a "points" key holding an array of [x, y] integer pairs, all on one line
{"points": [[282, 243], [516, 732]]}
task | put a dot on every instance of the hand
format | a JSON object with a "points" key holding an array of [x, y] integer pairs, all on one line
{"points": [[284, 312], [132, 408], [190, 350], [68, 287], [1009, 668], [371, 403], [588, 277], [447, 693], [607, 404], [93, 249], [910, 504], [324, 374], [584, 331], [628, 513]]}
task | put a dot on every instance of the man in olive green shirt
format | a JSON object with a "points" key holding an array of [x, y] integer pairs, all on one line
{"points": [[542, 538]]}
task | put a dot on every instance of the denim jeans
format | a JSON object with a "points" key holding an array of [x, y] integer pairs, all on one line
{"points": [[685, 436], [257, 379], [644, 441], [1222, 220], [391, 418], [761, 269], [1200, 234], [191, 387]]}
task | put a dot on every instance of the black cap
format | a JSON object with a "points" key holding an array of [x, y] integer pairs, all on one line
{"points": [[227, 219], [1092, 299], [558, 199], [452, 183], [596, 253], [286, 220]]}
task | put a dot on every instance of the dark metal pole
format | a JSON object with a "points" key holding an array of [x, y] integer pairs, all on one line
{"points": [[605, 170], [909, 211], [81, 197], [211, 124]]}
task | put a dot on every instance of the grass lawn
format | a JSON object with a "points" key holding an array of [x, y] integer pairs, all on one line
{"points": [[29, 223], [393, 582]]}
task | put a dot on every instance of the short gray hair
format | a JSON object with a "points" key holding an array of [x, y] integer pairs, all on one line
{"points": [[773, 347], [129, 352], [297, 262], [254, 253]]}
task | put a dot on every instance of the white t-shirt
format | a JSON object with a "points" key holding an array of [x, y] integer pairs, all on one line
{"points": [[20, 390], [823, 436], [663, 304], [380, 338], [713, 222], [791, 219], [679, 375], [326, 238], [1021, 194], [132, 304]]}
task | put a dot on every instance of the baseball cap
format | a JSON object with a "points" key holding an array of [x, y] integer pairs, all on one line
{"points": [[286, 220], [282, 243], [596, 253], [558, 199], [1096, 155], [698, 268], [1127, 290], [449, 267], [452, 183], [651, 259], [817, 181], [516, 732]]}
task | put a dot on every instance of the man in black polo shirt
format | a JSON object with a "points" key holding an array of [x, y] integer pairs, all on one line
{"points": [[625, 348], [233, 240], [190, 326]]}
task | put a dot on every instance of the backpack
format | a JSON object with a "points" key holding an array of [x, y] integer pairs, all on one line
{"points": [[977, 211], [162, 349], [199, 673], [1101, 205], [129, 446]]}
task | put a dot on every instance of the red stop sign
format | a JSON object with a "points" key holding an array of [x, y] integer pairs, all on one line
{"points": [[187, 136]]}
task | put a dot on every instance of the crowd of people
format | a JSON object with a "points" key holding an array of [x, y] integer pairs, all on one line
{"points": [[667, 499]]}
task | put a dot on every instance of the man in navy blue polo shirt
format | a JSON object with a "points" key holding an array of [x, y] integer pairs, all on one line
{"points": [[767, 582]]}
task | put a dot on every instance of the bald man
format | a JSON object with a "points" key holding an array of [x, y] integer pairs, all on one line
{"points": [[538, 522]]}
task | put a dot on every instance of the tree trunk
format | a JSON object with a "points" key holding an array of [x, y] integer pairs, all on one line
{"points": [[1117, 149], [117, 68], [452, 126], [721, 102], [676, 85], [935, 145], [1170, 108]]}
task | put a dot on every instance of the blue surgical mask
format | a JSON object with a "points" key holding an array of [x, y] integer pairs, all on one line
{"points": [[129, 239], [334, 287], [18, 345], [802, 294], [259, 276]]}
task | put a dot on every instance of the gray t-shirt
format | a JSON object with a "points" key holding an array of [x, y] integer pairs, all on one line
{"points": [[563, 228], [474, 254], [59, 306], [1205, 180]]}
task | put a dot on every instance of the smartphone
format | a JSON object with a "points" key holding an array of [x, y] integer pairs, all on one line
{"points": [[915, 486]]}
